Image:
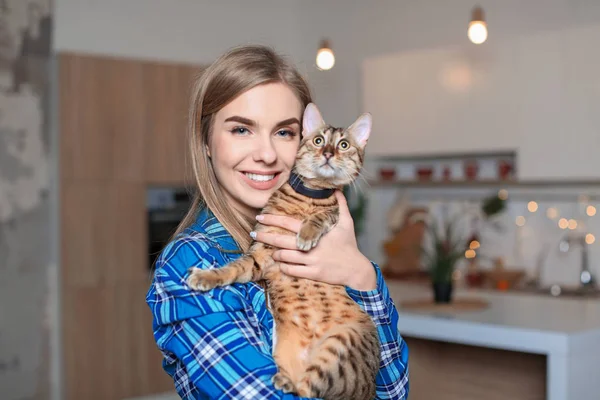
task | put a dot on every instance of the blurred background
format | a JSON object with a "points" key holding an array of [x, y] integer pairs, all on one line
{"points": [[478, 199]]}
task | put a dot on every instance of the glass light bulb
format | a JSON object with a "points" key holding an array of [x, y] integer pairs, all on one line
{"points": [[477, 32], [325, 59]]}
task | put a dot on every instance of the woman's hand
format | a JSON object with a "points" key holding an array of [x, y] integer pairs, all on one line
{"points": [[335, 260]]}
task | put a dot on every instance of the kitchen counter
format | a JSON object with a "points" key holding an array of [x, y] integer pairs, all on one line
{"points": [[567, 331]]}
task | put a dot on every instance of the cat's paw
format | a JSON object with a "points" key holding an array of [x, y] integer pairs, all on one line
{"points": [[283, 382], [308, 237], [202, 280]]}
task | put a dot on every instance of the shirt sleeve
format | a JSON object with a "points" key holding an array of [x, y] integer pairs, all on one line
{"points": [[392, 379], [211, 343]]}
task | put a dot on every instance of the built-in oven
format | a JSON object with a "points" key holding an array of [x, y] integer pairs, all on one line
{"points": [[166, 208]]}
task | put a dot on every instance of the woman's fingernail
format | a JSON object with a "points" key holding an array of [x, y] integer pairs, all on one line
{"points": [[260, 217], [253, 235]]}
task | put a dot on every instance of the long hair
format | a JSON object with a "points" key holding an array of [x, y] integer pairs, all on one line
{"points": [[233, 73]]}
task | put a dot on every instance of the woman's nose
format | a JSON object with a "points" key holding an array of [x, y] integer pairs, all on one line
{"points": [[265, 152]]}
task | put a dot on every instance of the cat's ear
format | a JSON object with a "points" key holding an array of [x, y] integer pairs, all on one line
{"points": [[361, 129], [312, 120]]}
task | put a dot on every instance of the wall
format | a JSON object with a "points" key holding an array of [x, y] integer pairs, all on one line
{"points": [[27, 259], [359, 30], [197, 31], [189, 31]]}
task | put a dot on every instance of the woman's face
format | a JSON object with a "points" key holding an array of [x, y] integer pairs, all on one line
{"points": [[254, 143]]}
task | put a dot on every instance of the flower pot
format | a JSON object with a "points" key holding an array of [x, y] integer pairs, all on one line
{"points": [[442, 292]]}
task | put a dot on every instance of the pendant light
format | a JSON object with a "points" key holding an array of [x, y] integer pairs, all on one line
{"points": [[325, 58], [477, 31]]}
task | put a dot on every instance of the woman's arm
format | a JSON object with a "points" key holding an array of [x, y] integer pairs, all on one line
{"points": [[337, 260], [211, 348], [392, 379]]}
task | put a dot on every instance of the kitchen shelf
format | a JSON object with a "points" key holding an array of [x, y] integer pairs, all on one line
{"points": [[539, 190], [506, 183]]}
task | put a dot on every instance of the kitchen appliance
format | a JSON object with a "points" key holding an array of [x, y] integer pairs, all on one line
{"points": [[166, 208]]}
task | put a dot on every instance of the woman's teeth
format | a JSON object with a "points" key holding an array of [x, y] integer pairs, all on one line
{"points": [[260, 178]]}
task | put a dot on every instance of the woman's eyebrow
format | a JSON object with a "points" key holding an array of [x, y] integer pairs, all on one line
{"points": [[289, 121], [241, 120]]}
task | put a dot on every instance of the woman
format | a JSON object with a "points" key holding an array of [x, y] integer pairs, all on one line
{"points": [[244, 133]]}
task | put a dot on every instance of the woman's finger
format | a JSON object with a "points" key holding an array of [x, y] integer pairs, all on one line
{"points": [[343, 205], [276, 239], [299, 271], [292, 257], [282, 221]]}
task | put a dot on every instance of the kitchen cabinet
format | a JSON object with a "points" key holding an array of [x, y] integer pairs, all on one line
{"points": [[560, 131], [439, 101], [167, 102], [537, 95], [122, 129]]}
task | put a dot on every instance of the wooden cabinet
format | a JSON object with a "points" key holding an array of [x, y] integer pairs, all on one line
{"points": [[167, 102], [122, 129], [537, 95]]}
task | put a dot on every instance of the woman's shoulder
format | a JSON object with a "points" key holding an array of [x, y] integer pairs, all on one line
{"points": [[188, 249]]}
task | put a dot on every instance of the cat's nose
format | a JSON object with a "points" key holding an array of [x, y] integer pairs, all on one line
{"points": [[328, 155]]}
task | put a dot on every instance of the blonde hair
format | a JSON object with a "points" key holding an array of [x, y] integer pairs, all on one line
{"points": [[233, 73]]}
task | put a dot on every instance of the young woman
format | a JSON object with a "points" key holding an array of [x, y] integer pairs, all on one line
{"points": [[244, 132]]}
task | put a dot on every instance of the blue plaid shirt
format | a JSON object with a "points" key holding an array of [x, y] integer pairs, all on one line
{"points": [[217, 344]]}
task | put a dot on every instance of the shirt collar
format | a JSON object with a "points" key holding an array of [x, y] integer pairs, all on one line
{"points": [[208, 224]]}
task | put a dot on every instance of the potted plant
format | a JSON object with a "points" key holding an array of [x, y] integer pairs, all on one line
{"points": [[441, 258]]}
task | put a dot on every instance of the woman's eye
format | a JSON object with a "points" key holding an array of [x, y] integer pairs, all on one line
{"points": [[239, 130], [286, 133], [318, 141], [344, 145]]}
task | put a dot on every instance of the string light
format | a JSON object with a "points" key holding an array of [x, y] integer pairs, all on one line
{"points": [[474, 244], [520, 220], [503, 194], [470, 253], [590, 211], [552, 213], [563, 223], [532, 206], [589, 238], [572, 224]]}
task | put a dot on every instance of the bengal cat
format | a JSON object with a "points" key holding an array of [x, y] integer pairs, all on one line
{"points": [[326, 346]]}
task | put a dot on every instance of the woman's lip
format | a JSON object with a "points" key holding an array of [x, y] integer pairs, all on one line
{"points": [[267, 185], [262, 172]]}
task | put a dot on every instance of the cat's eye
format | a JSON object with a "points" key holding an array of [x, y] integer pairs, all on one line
{"points": [[344, 145], [318, 141]]}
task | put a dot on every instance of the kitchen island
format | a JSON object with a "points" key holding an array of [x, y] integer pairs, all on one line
{"points": [[528, 346]]}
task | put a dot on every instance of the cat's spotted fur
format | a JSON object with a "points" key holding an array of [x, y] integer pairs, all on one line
{"points": [[327, 346]]}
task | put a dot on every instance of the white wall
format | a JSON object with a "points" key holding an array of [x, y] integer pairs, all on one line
{"points": [[193, 31], [361, 29], [199, 30]]}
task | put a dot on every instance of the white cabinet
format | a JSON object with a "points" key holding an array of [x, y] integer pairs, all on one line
{"points": [[560, 131], [538, 95], [451, 100]]}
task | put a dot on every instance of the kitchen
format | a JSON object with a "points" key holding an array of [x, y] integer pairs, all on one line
{"points": [[502, 134]]}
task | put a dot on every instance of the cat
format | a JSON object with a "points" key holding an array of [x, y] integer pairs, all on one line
{"points": [[327, 346]]}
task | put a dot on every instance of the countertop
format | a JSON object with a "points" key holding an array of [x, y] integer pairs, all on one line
{"points": [[540, 321], [566, 330]]}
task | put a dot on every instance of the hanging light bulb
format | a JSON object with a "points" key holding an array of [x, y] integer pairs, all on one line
{"points": [[477, 31], [325, 57]]}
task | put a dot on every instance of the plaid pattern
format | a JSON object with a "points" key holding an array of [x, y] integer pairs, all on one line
{"points": [[218, 344]]}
